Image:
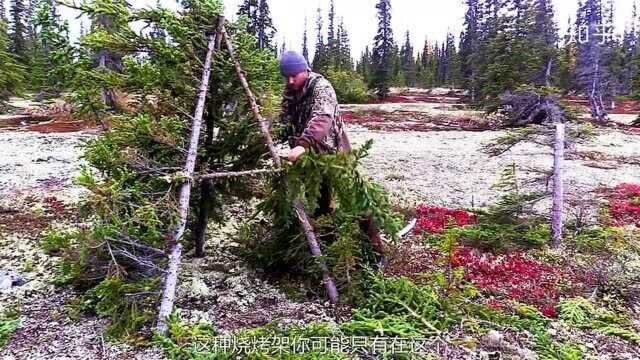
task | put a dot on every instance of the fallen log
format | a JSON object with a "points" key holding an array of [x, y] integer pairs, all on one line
{"points": [[529, 107], [301, 214], [169, 292]]}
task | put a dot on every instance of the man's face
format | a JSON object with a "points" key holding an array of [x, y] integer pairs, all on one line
{"points": [[296, 82]]}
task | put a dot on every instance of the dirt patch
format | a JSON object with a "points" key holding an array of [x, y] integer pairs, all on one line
{"points": [[413, 260], [55, 118], [34, 217], [60, 127], [409, 98], [412, 121], [624, 107], [602, 160], [627, 107], [268, 311], [16, 121]]}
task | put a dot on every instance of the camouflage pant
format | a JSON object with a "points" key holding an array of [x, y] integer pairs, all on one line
{"points": [[326, 205]]}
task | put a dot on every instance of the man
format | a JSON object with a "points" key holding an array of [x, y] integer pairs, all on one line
{"points": [[310, 109]]}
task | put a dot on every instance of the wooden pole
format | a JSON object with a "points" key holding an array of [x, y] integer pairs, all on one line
{"points": [[206, 188], [168, 295], [230, 174], [558, 188], [298, 207]]}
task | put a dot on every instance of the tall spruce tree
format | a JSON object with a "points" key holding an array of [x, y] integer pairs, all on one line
{"points": [[249, 9], [631, 54], [567, 59], [18, 29], [364, 65], [383, 51], [452, 72], [157, 32], [83, 29], [543, 41], [305, 42], [320, 56], [265, 29], [53, 49], [408, 64], [259, 22], [343, 53], [29, 17], [469, 47], [107, 23], [428, 65], [3, 12], [332, 40], [12, 73], [592, 73]]}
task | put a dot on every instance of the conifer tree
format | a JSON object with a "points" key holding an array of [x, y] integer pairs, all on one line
{"points": [[18, 29], [331, 35], [408, 64], [592, 73], [428, 64], [631, 53], [543, 43], [567, 59], [3, 12], [29, 15], [383, 51], [305, 45], [343, 52], [452, 67], [469, 46], [259, 22], [12, 73], [364, 65], [83, 29], [320, 57], [265, 28], [53, 49], [249, 9], [156, 33]]}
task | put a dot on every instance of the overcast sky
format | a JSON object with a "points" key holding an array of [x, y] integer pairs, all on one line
{"points": [[430, 19]]}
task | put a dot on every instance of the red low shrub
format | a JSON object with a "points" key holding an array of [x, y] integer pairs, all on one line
{"points": [[624, 205], [518, 277], [435, 220]]}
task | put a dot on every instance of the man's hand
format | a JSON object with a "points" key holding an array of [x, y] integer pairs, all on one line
{"points": [[295, 153]]}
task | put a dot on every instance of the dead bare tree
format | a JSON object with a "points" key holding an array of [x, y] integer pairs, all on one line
{"points": [[557, 215], [298, 206], [168, 295]]}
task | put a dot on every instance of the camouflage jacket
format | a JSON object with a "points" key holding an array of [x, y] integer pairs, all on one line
{"points": [[313, 117]]}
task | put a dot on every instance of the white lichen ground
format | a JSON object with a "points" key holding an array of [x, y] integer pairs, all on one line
{"points": [[448, 167], [33, 163], [34, 166]]}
